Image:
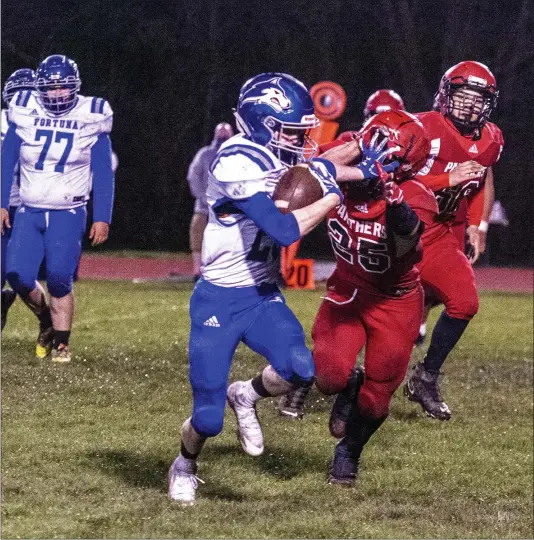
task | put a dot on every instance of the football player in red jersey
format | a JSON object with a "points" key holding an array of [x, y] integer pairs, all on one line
{"points": [[374, 297], [382, 100], [464, 147], [292, 404]]}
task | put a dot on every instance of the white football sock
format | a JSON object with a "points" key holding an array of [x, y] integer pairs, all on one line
{"points": [[248, 395]]}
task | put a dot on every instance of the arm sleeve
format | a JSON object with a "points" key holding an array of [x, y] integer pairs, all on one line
{"points": [[260, 208], [402, 219], [475, 207], [103, 179], [406, 227], [436, 181], [10, 157]]}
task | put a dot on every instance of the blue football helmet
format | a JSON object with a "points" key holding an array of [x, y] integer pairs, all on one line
{"points": [[276, 111], [58, 72], [22, 79]]}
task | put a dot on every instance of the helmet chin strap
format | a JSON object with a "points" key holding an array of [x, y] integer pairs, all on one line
{"points": [[464, 129]]}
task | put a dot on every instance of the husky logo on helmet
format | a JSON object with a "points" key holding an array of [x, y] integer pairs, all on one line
{"points": [[272, 96], [276, 110]]}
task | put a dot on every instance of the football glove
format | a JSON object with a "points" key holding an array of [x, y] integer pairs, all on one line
{"points": [[375, 153], [327, 182], [392, 193]]}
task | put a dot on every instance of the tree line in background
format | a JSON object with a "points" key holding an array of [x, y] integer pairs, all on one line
{"points": [[172, 70]]}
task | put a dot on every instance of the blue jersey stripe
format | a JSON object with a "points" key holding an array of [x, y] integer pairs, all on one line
{"points": [[257, 155], [19, 97], [26, 98], [101, 108], [93, 105]]}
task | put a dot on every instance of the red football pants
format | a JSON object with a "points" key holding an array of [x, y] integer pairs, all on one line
{"points": [[447, 275], [458, 230], [388, 328]]}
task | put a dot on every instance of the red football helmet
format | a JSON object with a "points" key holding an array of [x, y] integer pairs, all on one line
{"points": [[406, 135], [382, 100], [467, 95]]}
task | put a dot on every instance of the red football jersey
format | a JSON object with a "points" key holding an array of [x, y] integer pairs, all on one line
{"points": [[424, 204], [364, 254], [449, 148]]}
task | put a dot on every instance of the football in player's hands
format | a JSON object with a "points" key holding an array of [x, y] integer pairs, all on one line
{"points": [[297, 188]]}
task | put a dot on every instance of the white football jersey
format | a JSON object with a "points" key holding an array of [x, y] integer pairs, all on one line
{"points": [[235, 253], [55, 155], [14, 195]]}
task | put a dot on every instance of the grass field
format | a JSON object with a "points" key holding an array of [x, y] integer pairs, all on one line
{"points": [[86, 447]]}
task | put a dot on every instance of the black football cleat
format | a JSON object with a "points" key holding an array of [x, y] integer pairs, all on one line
{"points": [[419, 340], [343, 403], [422, 387], [292, 405], [8, 297], [344, 467]]}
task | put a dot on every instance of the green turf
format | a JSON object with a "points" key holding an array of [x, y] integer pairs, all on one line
{"points": [[86, 446]]}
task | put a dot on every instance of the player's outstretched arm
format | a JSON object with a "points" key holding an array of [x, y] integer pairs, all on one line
{"points": [[310, 216], [285, 229], [340, 152], [367, 157]]}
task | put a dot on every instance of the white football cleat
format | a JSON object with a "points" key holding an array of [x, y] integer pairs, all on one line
{"points": [[248, 426], [183, 484]]}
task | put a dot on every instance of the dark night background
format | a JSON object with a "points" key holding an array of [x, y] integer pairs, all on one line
{"points": [[172, 70]]}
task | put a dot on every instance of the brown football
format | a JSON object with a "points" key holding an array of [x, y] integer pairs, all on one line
{"points": [[296, 189]]}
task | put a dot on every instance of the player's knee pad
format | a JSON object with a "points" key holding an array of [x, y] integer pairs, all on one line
{"points": [[22, 284], [331, 372], [59, 284], [301, 367], [464, 307], [375, 397], [208, 420], [331, 381]]}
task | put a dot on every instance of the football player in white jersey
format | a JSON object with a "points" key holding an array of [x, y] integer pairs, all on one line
{"points": [[20, 80], [61, 141], [237, 298]]}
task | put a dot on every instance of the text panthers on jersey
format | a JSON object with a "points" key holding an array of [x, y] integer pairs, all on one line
{"points": [[55, 154]]}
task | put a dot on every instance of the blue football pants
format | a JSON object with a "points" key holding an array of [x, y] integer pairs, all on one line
{"points": [[222, 317], [54, 234]]}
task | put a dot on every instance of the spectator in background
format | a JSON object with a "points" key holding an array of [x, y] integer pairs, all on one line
{"points": [[197, 177]]}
